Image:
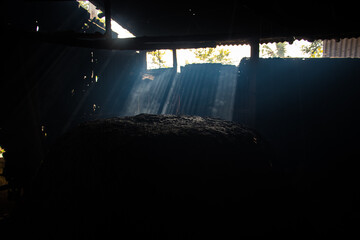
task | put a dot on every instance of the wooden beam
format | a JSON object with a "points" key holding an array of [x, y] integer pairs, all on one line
{"points": [[254, 59], [108, 32], [175, 63], [98, 41]]}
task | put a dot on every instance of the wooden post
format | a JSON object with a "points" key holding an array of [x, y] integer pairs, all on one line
{"points": [[108, 32], [254, 55], [142, 61], [254, 59], [175, 64]]}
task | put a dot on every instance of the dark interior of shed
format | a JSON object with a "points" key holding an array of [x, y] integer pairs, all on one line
{"points": [[97, 145]]}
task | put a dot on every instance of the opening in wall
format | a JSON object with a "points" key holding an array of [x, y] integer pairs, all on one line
{"points": [[159, 59], [226, 55], [298, 49]]}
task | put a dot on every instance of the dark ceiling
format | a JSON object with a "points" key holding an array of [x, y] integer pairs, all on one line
{"points": [[267, 20], [184, 24]]}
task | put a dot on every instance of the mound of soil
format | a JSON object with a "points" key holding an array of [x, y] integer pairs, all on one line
{"points": [[153, 176]]}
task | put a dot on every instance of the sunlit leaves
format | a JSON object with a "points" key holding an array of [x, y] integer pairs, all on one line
{"points": [[278, 52], [2, 150], [213, 55], [314, 50], [157, 58]]}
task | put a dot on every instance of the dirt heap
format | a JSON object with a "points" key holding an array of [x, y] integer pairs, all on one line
{"points": [[153, 176]]}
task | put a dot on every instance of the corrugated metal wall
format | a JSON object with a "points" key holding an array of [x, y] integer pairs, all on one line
{"points": [[304, 107], [345, 48], [206, 90]]}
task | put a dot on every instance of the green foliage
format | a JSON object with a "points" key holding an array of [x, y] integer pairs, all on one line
{"points": [[2, 150], [157, 58], [281, 49], [204, 54], [278, 52], [223, 56], [314, 50], [213, 55], [84, 4]]}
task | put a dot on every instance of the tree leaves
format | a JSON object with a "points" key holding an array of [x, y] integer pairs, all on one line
{"points": [[278, 52], [314, 50], [157, 58], [213, 55]]}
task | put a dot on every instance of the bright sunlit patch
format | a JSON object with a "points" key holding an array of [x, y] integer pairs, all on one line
{"points": [[1, 152], [159, 59], [94, 13], [148, 76], [298, 49], [122, 32], [227, 55], [234, 54]]}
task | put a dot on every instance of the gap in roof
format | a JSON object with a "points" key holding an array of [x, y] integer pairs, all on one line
{"points": [[94, 13]]}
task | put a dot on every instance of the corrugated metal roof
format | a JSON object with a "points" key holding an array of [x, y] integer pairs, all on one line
{"points": [[189, 24], [268, 21], [345, 48]]}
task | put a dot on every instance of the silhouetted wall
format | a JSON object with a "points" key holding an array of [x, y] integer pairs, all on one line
{"points": [[307, 108], [203, 90], [46, 88]]}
